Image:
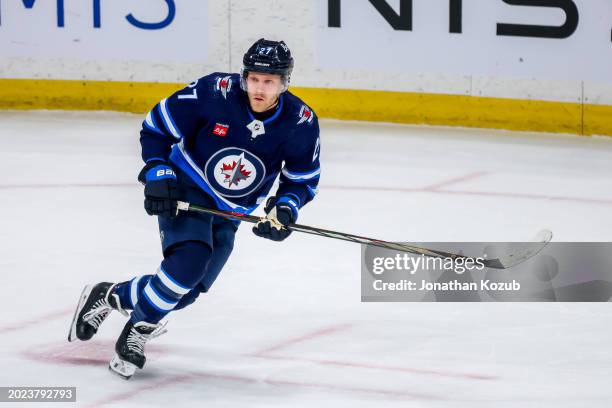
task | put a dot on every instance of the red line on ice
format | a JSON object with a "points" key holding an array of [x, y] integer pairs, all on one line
{"points": [[267, 354], [308, 336], [528, 196], [134, 391], [381, 367], [66, 185], [433, 189], [456, 180], [474, 193], [187, 378], [24, 324], [96, 353], [357, 390]]}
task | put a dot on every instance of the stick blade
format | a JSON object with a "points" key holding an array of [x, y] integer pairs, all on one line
{"points": [[530, 250]]}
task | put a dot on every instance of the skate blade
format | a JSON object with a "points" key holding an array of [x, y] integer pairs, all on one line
{"points": [[122, 368], [82, 299]]}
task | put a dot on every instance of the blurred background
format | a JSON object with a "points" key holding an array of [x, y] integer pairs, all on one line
{"points": [[519, 65]]}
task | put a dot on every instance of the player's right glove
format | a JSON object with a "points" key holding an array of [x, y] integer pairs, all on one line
{"points": [[160, 188], [281, 211]]}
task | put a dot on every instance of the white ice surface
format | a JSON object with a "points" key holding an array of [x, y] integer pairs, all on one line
{"points": [[284, 326]]}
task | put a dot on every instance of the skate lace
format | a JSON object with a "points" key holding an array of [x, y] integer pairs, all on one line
{"points": [[136, 341], [98, 313], [102, 308]]}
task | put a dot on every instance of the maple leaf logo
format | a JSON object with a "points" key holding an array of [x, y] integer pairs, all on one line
{"points": [[234, 173]]}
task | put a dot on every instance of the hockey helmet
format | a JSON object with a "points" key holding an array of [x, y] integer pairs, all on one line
{"points": [[268, 57]]}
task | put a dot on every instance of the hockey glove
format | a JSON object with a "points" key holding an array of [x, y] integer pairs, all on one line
{"points": [[160, 188], [281, 211]]}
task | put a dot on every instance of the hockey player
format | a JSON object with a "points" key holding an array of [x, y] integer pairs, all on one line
{"points": [[221, 142]]}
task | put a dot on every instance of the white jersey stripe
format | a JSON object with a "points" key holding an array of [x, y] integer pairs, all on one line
{"points": [[168, 119], [149, 120], [300, 176]]}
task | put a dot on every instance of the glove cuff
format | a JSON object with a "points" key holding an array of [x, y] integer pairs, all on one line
{"points": [[291, 203], [156, 170]]}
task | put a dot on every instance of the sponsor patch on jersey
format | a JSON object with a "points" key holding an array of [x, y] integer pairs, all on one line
{"points": [[220, 129], [224, 85], [234, 172], [306, 115]]}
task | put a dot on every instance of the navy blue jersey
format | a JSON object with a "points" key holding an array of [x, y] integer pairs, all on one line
{"points": [[208, 132]]}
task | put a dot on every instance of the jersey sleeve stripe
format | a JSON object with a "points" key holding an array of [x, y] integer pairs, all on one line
{"points": [[167, 118], [151, 125], [313, 191], [155, 158], [301, 176]]}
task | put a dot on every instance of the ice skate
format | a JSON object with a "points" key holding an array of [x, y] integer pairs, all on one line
{"points": [[130, 347], [94, 306]]}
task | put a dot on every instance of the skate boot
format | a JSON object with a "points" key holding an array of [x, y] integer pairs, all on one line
{"points": [[95, 304], [130, 347]]}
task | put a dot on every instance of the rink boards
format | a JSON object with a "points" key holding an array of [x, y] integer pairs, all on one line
{"points": [[485, 63], [345, 104]]}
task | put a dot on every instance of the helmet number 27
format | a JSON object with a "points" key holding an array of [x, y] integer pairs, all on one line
{"points": [[265, 50]]}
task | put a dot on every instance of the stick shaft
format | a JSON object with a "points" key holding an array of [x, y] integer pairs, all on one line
{"points": [[503, 262], [323, 232]]}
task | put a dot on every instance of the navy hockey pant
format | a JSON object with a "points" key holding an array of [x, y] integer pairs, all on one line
{"points": [[195, 247]]}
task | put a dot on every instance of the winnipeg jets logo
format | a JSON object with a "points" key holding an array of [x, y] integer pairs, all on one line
{"points": [[233, 172], [257, 128], [306, 115], [224, 85]]}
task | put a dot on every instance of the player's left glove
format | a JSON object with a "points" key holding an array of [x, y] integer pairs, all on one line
{"points": [[281, 211]]}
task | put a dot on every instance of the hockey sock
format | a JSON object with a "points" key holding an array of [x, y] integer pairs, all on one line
{"points": [[129, 292], [179, 273]]}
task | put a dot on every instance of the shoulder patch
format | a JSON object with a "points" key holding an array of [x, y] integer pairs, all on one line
{"points": [[306, 115], [224, 85]]}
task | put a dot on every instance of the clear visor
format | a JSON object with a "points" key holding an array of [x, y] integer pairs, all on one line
{"points": [[257, 83]]}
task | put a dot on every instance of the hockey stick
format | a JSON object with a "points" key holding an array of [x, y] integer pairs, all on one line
{"points": [[503, 262]]}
